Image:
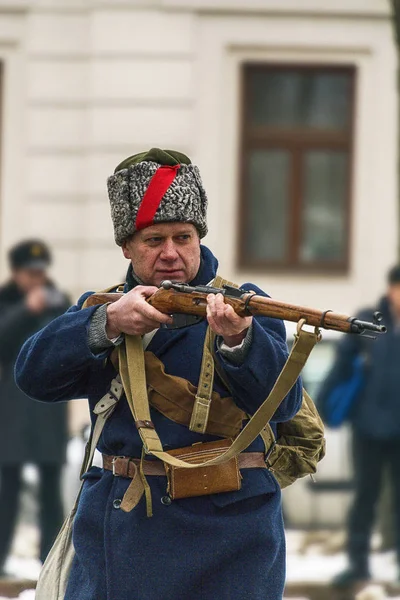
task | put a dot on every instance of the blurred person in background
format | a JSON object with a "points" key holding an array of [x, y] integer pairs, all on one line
{"points": [[30, 432], [375, 423]]}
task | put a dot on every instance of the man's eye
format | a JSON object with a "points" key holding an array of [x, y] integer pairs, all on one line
{"points": [[153, 240], [184, 237]]}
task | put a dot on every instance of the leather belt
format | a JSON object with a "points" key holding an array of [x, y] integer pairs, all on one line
{"points": [[125, 466]]}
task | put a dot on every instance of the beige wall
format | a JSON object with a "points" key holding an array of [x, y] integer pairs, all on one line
{"points": [[88, 82], [228, 40]]}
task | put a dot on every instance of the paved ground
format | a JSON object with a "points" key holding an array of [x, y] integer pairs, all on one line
{"points": [[23, 590]]}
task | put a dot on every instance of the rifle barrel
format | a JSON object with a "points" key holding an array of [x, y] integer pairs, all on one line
{"points": [[358, 326], [262, 306]]}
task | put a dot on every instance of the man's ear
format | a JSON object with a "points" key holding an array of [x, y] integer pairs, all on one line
{"points": [[125, 250]]}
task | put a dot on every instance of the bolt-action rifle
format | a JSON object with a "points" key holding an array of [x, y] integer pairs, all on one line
{"points": [[181, 298]]}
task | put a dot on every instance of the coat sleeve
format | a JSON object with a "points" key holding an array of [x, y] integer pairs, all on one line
{"points": [[54, 364], [253, 379]]}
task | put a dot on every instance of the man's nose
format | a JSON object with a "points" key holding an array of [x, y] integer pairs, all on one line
{"points": [[169, 251]]}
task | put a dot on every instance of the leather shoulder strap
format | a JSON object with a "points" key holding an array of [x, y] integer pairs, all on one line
{"points": [[119, 289], [219, 282]]}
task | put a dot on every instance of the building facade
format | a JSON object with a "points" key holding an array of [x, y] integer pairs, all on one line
{"points": [[289, 107]]}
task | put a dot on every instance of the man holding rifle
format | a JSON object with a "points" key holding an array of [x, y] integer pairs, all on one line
{"points": [[226, 543]]}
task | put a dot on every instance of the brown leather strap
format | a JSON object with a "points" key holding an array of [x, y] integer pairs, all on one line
{"points": [[124, 466], [252, 460], [144, 424]]}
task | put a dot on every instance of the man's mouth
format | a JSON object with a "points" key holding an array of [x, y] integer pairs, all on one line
{"points": [[171, 273]]}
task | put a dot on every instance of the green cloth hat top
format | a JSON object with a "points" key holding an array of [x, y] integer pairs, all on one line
{"points": [[176, 194], [169, 158]]}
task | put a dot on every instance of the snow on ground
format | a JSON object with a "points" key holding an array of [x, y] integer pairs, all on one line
{"points": [[313, 565]]}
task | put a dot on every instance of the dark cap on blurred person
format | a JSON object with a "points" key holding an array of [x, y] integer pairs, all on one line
{"points": [[394, 275], [30, 254]]}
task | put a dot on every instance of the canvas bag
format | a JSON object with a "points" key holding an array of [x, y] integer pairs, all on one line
{"points": [[53, 578], [299, 446]]}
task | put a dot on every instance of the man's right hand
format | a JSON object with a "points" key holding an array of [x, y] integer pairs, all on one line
{"points": [[35, 300], [132, 315]]}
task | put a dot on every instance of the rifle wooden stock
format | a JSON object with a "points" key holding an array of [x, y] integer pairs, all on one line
{"points": [[195, 303], [169, 301], [102, 298]]}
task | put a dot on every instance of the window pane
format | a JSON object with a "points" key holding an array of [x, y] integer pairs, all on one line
{"points": [[324, 206], [267, 205], [296, 98]]}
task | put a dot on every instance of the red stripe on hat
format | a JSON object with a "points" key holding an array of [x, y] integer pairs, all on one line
{"points": [[159, 184]]}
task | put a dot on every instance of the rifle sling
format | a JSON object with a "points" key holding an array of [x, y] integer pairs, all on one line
{"points": [[202, 402]]}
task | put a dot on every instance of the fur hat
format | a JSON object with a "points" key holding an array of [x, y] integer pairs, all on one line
{"points": [[159, 186]]}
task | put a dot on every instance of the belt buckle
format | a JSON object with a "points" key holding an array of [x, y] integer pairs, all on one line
{"points": [[115, 458]]}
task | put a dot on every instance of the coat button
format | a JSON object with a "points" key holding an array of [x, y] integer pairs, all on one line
{"points": [[166, 500], [117, 503]]}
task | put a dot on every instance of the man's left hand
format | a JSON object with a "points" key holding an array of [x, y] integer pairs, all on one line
{"points": [[225, 322]]}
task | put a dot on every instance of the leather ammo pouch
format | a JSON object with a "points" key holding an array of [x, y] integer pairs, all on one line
{"points": [[186, 483]]}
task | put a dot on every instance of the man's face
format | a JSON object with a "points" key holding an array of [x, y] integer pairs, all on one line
{"points": [[394, 297], [164, 251], [28, 279]]}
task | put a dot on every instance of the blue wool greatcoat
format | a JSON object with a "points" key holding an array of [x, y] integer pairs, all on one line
{"points": [[222, 547]]}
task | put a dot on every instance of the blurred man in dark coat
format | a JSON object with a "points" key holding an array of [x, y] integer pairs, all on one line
{"points": [[30, 432], [375, 421]]}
